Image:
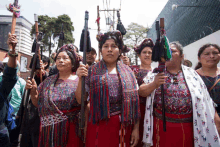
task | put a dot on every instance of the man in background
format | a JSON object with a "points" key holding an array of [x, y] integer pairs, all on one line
{"points": [[91, 56]]}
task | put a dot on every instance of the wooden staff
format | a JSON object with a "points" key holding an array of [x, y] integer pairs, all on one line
{"points": [[162, 86], [14, 8], [83, 78], [159, 54], [37, 33], [98, 24]]}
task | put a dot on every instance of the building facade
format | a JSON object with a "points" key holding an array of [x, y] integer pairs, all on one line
{"points": [[22, 30], [191, 26]]}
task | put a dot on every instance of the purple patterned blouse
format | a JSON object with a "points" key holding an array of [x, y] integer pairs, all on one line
{"points": [[176, 95], [62, 96], [140, 74], [115, 90]]}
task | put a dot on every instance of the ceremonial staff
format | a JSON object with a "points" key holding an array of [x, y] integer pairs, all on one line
{"points": [[85, 47], [37, 33], [161, 53], [62, 35], [15, 9]]}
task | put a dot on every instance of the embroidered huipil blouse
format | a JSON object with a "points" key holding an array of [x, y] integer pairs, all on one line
{"points": [[176, 95], [140, 74], [62, 93], [115, 91], [202, 107], [57, 107]]}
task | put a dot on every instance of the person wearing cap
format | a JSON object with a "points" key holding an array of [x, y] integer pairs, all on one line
{"points": [[8, 81], [91, 56]]}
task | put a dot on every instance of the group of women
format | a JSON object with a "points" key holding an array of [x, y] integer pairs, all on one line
{"points": [[124, 102]]}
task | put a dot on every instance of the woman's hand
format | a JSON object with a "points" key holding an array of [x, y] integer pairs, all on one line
{"points": [[159, 79], [31, 84], [135, 136], [12, 41], [82, 71]]}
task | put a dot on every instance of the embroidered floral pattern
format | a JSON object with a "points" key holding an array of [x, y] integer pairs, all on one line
{"points": [[177, 96]]}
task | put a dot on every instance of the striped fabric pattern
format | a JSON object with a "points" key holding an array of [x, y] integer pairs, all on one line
{"points": [[99, 93]]}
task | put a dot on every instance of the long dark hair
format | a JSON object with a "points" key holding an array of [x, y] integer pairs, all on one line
{"points": [[201, 50]]}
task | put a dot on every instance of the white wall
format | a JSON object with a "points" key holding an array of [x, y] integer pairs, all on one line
{"points": [[190, 51]]}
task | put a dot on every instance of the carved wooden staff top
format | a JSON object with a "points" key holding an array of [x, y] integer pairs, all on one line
{"points": [[15, 9]]}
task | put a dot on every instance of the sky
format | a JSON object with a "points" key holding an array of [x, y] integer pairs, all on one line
{"points": [[143, 12]]}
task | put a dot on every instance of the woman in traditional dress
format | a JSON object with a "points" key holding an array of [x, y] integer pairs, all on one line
{"points": [[208, 57], [189, 109], [114, 101], [57, 103], [144, 52]]}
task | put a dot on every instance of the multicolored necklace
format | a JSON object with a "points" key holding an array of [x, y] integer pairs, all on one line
{"points": [[174, 79]]}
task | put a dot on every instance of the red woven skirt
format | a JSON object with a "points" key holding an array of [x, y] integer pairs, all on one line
{"points": [[73, 139], [178, 134], [106, 134]]}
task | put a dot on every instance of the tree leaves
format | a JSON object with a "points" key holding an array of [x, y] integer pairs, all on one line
{"points": [[135, 34], [51, 28]]}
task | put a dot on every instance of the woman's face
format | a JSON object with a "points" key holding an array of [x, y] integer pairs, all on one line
{"points": [[63, 62], [145, 56], [209, 57], [110, 51], [177, 58]]}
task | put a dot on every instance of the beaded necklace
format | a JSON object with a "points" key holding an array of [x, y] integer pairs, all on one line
{"points": [[174, 79]]}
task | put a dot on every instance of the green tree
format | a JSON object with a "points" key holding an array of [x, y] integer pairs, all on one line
{"points": [[67, 29], [135, 34], [51, 28]]}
